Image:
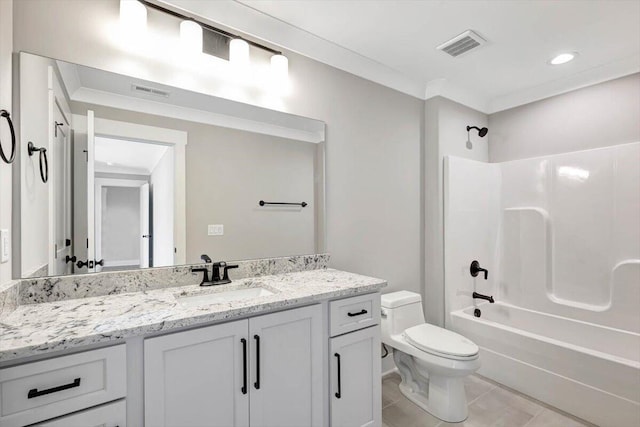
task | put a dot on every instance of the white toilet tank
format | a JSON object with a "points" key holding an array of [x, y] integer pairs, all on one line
{"points": [[400, 310]]}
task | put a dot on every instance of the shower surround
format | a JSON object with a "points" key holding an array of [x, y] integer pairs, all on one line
{"points": [[560, 236]]}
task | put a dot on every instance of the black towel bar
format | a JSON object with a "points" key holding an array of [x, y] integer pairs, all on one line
{"points": [[263, 203]]}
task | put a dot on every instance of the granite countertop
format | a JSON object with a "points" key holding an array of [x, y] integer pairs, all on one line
{"points": [[35, 329]]}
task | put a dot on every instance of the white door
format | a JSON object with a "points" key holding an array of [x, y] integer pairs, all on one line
{"points": [[84, 203], [355, 379], [286, 368], [91, 177], [145, 237], [198, 377], [109, 415], [60, 176]]}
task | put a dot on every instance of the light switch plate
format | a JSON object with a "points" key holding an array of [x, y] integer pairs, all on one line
{"points": [[216, 230], [4, 245]]}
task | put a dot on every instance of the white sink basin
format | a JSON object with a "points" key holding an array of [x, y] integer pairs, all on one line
{"points": [[225, 296]]}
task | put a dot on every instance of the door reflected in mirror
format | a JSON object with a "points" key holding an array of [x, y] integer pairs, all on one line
{"points": [[157, 177]]}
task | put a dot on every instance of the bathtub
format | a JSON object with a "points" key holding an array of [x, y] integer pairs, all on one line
{"points": [[587, 370]]}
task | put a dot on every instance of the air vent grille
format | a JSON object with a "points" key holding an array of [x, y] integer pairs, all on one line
{"points": [[462, 43], [149, 90]]}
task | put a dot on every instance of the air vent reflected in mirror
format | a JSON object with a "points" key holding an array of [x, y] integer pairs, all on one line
{"points": [[149, 90]]}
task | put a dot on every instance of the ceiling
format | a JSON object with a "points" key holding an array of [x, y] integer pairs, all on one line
{"points": [[394, 42]]}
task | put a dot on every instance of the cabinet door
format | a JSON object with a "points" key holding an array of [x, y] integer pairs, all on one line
{"points": [[356, 379], [286, 368], [196, 378], [109, 415]]}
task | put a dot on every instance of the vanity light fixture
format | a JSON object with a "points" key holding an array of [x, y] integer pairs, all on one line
{"points": [[133, 17], [563, 58], [191, 36], [238, 47]]}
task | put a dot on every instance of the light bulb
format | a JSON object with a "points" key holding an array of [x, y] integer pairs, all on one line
{"points": [[133, 17], [191, 36], [239, 52], [280, 67]]}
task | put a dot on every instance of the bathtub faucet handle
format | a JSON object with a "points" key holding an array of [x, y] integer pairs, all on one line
{"points": [[475, 269]]}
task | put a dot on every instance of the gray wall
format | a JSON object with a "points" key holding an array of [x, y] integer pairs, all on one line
{"points": [[445, 134], [373, 138], [596, 116], [227, 172]]}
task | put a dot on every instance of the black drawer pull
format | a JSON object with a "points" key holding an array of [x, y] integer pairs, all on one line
{"points": [[339, 392], [244, 366], [35, 393], [257, 383], [360, 313]]}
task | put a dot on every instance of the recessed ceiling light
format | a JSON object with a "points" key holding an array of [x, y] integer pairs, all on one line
{"points": [[563, 58]]}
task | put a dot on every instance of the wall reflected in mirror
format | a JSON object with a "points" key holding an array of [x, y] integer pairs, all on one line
{"points": [[145, 175]]}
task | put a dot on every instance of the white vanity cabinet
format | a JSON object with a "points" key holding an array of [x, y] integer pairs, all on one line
{"points": [[355, 384], [196, 378], [262, 371], [39, 391]]}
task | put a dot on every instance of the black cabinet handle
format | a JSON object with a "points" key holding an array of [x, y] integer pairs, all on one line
{"points": [[35, 393], [257, 383], [244, 365], [360, 313], [339, 392]]}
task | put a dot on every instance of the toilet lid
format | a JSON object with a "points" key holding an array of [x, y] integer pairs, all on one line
{"points": [[434, 339]]}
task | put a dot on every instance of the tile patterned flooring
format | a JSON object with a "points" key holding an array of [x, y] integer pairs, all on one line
{"points": [[490, 405]]}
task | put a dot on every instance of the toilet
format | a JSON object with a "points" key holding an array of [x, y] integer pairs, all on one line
{"points": [[432, 361]]}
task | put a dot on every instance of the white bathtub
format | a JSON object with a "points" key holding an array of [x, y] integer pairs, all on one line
{"points": [[590, 371]]}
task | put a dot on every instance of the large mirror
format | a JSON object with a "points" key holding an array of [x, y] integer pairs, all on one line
{"points": [[120, 173]]}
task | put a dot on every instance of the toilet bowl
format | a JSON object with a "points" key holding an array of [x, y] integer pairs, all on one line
{"points": [[432, 361]]}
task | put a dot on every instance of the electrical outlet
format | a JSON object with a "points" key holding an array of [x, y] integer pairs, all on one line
{"points": [[216, 230], [4, 245]]}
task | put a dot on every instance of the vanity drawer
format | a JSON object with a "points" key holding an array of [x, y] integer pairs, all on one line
{"points": [[108, 415], [38, 391], [354, 313]]}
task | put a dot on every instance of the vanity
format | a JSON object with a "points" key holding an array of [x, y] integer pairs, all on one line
{"points": [[292, 349]]}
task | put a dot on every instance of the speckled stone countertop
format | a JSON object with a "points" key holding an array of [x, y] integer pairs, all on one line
{"points": [[35, 329]]}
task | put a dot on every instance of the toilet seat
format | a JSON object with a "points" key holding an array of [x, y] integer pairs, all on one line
{"points": [[440, 342]]}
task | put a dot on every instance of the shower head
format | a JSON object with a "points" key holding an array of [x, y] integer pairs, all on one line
{"points": [[481, 131]]}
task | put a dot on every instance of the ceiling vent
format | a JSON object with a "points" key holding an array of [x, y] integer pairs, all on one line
{"points": [[149, 90], [462, 43]]}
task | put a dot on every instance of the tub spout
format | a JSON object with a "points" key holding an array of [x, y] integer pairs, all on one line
{"points": [[485, 297]]}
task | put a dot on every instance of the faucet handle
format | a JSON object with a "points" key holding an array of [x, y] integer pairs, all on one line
{"points": [[475, 269], [228, 267], [205, 277]]}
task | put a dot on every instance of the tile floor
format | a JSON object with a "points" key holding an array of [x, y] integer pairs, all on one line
{"points": [[490, 405]]}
